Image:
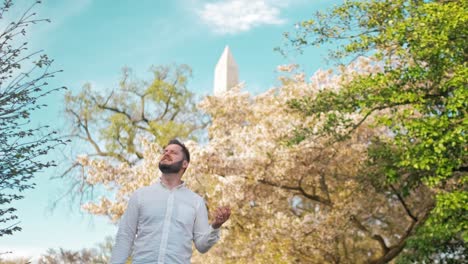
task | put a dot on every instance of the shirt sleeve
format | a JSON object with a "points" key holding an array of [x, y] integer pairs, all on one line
{"points": [[204, 235], [126, 233]]}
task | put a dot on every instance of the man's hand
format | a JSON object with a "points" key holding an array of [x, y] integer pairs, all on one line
{"points": [[221, 215]]}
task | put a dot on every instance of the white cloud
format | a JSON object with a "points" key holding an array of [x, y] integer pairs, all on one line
{"points": [[235, 16]]}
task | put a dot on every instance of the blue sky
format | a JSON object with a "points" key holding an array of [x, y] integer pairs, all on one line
{"points": [[91, 40]]}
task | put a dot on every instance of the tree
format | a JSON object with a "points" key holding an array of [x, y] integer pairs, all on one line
{"points": [[23, 82], [18, 260], [99, 254], [291, 203], [323, 210], [419, 95], [113, 124]]}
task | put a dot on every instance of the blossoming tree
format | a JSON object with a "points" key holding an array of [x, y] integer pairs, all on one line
{"points": [[291, 202]]}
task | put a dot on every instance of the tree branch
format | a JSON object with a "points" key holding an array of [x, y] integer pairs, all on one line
{"points": [[403, 203], [376, 237], [300, 190]]}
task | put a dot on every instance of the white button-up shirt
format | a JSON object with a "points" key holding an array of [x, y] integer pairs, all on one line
{"points": [[160, 224]]}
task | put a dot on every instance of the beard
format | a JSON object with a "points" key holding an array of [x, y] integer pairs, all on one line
{"points": [[171, 168]]}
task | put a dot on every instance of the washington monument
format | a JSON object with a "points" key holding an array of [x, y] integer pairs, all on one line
{"points": [[226, 73]]}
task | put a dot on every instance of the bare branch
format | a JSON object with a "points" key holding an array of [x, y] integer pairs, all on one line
{"points": [[300, 190]]}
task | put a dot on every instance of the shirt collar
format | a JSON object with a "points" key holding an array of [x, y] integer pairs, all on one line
{"points": [[176, 187]]}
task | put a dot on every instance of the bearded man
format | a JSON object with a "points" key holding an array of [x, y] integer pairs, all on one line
{"points": [[162, 220]]}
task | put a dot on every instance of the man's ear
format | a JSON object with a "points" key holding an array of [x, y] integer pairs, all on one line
{"points": [[185, 164]]}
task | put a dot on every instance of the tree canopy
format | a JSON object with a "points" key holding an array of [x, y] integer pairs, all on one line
{"points": [[419, 95], [365, 163], [114, 123], [100, 254], [302, 202]]}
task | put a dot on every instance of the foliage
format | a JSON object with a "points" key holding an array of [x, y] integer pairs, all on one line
{"points": [[99, 254], [419, 95], [291, 203], [23, 82], [114, 123], [395, 176], [18, 260]]}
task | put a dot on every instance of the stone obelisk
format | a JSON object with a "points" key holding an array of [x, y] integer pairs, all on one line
{"points": [[226, 73]]}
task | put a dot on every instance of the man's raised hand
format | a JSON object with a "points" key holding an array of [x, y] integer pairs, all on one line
{"points": [[221, 215]]}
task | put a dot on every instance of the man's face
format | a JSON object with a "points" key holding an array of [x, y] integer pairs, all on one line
{"points": [[172, 159]]}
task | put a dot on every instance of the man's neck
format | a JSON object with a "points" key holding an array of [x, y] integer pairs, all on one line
{"points": [[171, 180]]}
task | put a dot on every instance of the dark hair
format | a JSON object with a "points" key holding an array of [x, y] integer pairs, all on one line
{"points": [[184, 148]]}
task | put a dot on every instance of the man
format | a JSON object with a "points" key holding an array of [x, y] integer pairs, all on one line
{"points": [[163, 219]]}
